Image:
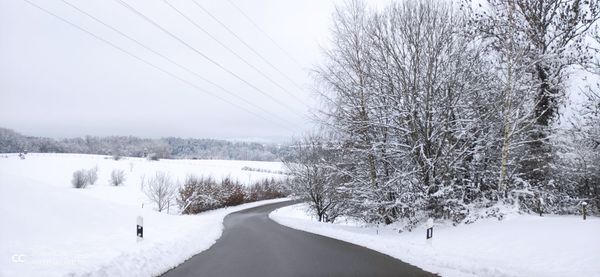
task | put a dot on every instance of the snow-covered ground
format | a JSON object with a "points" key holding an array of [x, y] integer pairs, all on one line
{"points": [[48, 228], [519, 245], [56, 170]]}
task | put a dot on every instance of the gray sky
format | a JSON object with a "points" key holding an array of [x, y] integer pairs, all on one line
{"points": [[58, 81]]}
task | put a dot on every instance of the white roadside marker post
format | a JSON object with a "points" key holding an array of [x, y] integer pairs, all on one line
{"points": [[140, 228], [430, 228]]}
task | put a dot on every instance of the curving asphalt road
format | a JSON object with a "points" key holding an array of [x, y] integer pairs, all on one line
{"points": [[254, 245]]}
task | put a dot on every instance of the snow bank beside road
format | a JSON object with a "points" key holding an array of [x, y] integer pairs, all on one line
{"points": [[62, 232], [521, 245]]}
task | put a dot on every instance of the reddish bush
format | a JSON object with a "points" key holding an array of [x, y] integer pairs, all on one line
{"points": [[202, 194]]}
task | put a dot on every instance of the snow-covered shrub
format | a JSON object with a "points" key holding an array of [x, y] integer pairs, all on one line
{"points": [[153, 157], [92, 175], [489, 209], [231, 193], [80, 179], [117, 177], [248, 168], [198, 194], [266, 189], [187, 197], [161, 190]]}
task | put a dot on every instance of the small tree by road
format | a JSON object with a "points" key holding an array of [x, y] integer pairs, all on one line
{"points": [[161, 191], [311, 178]]}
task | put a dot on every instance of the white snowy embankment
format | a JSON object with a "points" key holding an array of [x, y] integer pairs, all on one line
{"points": [[519, 245], [48, 228]]}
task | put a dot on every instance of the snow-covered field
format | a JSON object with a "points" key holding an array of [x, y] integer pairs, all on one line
{"points": [[48, 228], [519, 245], [56, 170]]}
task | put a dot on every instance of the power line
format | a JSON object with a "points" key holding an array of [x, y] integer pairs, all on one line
{"points": [[145, 62], [231, 51], [265, 34], [132, 9], [248, 46], [172, 61]]}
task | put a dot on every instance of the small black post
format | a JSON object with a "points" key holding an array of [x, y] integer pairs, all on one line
{"points": [[429, 228], [140, 228], [584, 204]]}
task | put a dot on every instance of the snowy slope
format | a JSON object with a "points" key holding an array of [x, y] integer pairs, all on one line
{"points": [[521, 245], [48, 228]]}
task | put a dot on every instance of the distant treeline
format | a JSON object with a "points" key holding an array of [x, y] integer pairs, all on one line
{"points": [[171, 147]]}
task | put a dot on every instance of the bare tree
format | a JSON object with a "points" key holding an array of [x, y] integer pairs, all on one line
{"points": [[161, 191], [310, 178]]}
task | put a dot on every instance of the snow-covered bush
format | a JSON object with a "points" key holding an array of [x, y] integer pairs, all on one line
{"points": [[80, 179], [231, 193], [153, 157], [161, 191], [200, 194], [266, 189], [117, 177], [248, 168], [92, 175]]}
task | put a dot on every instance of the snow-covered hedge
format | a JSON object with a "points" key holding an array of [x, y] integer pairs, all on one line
{"points": [[200, 194]]}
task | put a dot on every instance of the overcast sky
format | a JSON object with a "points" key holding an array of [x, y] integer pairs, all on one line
{"points": [[58, 81]]}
